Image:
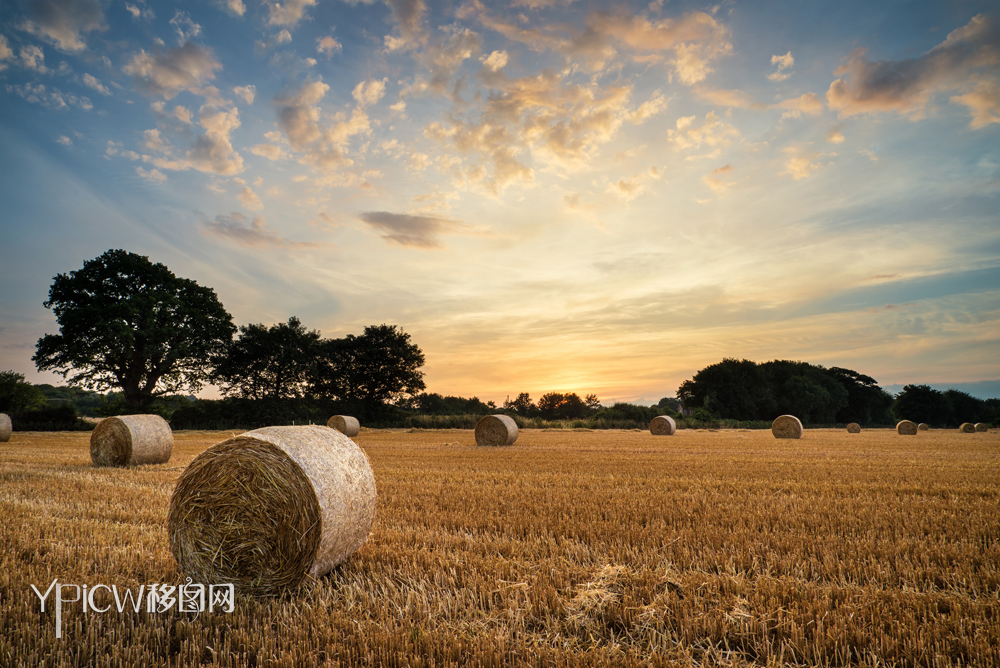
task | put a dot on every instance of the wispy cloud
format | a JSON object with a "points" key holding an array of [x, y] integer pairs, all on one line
{"points": [[413, 231], [65, 22], [252, 234]]}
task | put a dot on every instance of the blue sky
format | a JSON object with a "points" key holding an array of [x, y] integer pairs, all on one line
{"points": [[546, 194]]}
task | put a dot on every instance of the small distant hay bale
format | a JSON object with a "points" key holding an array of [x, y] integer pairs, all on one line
{"points": [[270, 507], [496, 430], [786, 426], [982, 426], [854, 428], [662, 425], [967, 428], [345, 424], [923, 426], [906, 428], [131, 440], [5, 428]]}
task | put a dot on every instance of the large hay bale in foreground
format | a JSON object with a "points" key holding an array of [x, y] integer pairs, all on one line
{"points": [[662, 425], [496, 430], [131, 440], [982, 426], [967, 428], [854, 428], [923, 426], [786, 426], [267, 508], [5, 428], [906, 428], [345, 424]]}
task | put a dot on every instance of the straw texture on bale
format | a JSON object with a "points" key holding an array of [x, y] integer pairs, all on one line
{"points": [[5, 428], [496, 430], [982, 426], [131, 440], [345, 424], [265, 509], [786, 426], [923, 426], [854, 428], [906, 428], [662, 425], [967, 428]]}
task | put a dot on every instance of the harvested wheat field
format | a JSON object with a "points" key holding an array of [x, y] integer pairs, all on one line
{"points": [[568, 548]]}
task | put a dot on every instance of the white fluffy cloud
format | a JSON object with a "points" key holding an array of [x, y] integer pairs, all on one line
{"points": [[187, 67], [784, 62], [65, 22]]}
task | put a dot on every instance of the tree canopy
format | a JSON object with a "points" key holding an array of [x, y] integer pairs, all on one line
{"points": [[18, 395], [130, 324], [273, 362], [745, 390]]}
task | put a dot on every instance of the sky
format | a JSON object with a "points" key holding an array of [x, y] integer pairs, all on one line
{"points": [[547, 195]]}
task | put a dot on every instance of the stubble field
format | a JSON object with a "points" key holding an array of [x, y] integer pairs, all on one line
{"points": [[570, 548]]}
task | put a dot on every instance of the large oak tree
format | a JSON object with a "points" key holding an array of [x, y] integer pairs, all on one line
{"points": [[126, 323]]}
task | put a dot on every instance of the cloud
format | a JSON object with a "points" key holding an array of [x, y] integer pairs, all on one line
{"points": [[800, 164], [250, 199], [908, 86], [33, 58], [256, 234], [728, 98], [6, 53], [783, 62], [370, 92], [835, 136], [52, 99], [234, 7], [323, 148], [185, 27], [187, 67], [154, 175], [211, 152], [715, 180], [410, 230], [269, 151], [713, 132], [983, 102], [64, 140], [651, 107], [626, 189], [408, 16], [248, 93], [328, 45], [495, 62], [139, 11], [807, 103], [63, 22], [282, 37], [93, 82], [154, 142], [288, 13], [183, 114]]}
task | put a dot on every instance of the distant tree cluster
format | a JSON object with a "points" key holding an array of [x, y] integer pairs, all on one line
{"points": [[745, 390], [554, 406], [922, 403], [126, 323]]}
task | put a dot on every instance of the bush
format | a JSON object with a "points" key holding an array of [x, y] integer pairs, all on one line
{"points": [[62, 417]]}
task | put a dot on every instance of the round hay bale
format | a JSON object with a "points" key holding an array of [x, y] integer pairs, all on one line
{"points": [[982, 426], [662, 425], [496, 430], [906, 428], [345, 424], [786, 426], [131, 440], [854, 428], [967, 428], [5, 428], [923, 426], [267, 508]]}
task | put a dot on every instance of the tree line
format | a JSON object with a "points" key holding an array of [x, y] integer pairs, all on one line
{"points": [[747, 390]]}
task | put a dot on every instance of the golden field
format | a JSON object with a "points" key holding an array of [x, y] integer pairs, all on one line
{"points": [[569, 548]]}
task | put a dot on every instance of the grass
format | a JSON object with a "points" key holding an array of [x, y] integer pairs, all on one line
{"points": [[569, 548]]}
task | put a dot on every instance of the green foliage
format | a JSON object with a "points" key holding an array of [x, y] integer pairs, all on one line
{"points": [[746, 391], [18, 395], [130, 324], [522, 405], [435, 404], [268, 362], [87, 403], [558, 406], [369, 372], [61, 417], [922, 403], [702, 415]]}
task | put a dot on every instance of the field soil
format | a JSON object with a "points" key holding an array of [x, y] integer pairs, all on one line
{"points": [[569, 548]]}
